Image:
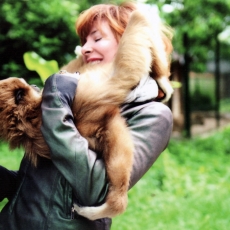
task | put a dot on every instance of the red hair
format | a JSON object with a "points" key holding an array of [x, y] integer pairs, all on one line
{"points": [[117, 17]]}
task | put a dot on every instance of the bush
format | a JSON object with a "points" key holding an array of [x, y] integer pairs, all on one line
{"points": [[44, 27]]}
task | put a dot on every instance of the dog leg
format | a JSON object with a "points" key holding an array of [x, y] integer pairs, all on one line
{"points": [[119, 159], [165, 85]]}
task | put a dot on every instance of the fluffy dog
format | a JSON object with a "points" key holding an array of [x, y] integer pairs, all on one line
{"points": [[96, 110]]}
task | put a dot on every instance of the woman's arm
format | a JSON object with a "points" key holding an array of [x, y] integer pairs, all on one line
{"points": [[8, 183], [69, 150], [150, 125]]}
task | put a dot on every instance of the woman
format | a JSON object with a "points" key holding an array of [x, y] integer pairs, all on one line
{"points": [[44, 196]]}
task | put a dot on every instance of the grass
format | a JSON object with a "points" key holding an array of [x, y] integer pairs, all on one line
{"points": [[10, 159], [186, 189]]}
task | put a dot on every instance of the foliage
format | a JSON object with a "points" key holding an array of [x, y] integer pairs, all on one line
{"points": [[44, 68], [225, 105], [46, 28], [202, 21], [202, 98]]}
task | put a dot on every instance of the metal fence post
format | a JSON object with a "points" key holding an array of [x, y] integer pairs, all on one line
{"points": [[217, 81], [187, 106]]}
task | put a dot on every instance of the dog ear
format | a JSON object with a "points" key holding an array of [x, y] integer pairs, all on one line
{"points": [[19, 110]]}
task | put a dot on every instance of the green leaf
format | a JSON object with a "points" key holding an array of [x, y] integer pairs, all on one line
{"points": [[176, 84], [36, 63]]}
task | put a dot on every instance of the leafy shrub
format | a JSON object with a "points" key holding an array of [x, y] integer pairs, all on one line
{"points": [[46, 28]]}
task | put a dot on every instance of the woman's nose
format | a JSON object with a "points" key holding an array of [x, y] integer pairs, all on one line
{"points": [[86, 49]]}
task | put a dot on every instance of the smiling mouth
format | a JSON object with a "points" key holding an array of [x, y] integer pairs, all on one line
{"points": [[94, 62]]}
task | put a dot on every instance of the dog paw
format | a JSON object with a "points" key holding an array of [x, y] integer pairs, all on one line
{"points": [[166, 86], [93, 213]]}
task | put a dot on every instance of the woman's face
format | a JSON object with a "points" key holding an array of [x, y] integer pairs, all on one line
{"points": [[101, 44]]}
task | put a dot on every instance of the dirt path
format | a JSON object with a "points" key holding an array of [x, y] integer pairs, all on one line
{"points": [[206, 125]]}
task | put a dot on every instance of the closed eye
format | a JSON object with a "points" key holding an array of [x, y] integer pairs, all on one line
{"points": [[98, 39], [19, 94]]}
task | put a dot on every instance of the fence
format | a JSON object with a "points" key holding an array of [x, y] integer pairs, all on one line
{"points": [[206, 110]]}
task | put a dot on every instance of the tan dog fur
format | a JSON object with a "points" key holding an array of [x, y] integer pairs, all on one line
{"points": [[100, 92]]}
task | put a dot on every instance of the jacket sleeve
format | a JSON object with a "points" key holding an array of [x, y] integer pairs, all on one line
{"points": [[69, 150], [151, 127], [8, 183]]}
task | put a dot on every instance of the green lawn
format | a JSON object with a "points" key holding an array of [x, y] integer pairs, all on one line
{"points": [[187, 188], [10, 159]]}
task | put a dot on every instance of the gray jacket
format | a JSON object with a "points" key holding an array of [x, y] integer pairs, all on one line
{"points": [[45, 194]]}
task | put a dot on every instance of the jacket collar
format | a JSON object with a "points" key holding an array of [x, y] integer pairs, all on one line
{"points": [[146, 90]]}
